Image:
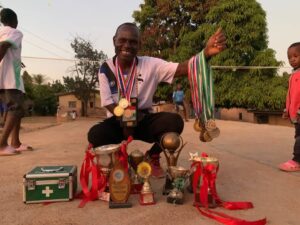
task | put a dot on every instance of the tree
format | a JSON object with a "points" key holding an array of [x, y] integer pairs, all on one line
{"points": [[83, 77], [186, 26]]}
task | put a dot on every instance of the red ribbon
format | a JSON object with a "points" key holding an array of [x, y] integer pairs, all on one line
{"points": [[123, 155], [98, 179], [209, 175]]}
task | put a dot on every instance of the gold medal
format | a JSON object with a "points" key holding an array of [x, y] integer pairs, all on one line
{"points": [[210, 125], [197, 126], [118, 111], [128, 113], [123, 103], [214, 133], [204, 136]]}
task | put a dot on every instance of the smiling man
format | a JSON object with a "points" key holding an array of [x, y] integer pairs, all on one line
{"points": [[127, 85]]}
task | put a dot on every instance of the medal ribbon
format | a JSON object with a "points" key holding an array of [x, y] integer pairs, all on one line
{"points": [[126, 85], [99, 181], [209, 175], [201, 83]]}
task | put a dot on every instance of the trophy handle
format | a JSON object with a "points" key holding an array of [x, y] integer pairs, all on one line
{"points": [[181, 147]]}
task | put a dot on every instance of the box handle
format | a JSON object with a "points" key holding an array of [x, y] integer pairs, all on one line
{"points": [[52, 170]]}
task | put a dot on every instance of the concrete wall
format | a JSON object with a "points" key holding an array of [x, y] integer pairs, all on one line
{"points": [[236, 114]]}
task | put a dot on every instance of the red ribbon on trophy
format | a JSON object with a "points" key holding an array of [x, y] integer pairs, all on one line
{"points": [[98, 179], [123, 155], [208, 174]]}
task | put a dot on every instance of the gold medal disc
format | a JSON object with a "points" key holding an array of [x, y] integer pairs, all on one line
{"points": [[118, 111], [214, 133], [197, 126], [210, 125], [123, 103]]}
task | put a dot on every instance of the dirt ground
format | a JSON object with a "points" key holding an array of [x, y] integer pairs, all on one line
{"points": [[248, 154]]}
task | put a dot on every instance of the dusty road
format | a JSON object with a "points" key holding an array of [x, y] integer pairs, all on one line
{"points": [[248, 154]]}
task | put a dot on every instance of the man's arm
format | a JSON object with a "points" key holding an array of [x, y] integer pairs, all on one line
{"points": [[215, 44], [3, 48]]}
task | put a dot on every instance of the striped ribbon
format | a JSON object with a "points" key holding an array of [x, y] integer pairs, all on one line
{"points": [[126, 85], [201, 83]]}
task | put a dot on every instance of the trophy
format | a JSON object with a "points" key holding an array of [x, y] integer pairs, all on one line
{"points": [[171, 144], [204, 161], [179, 176], [105, 159], [135, 158], [146, 195], [119, 187]]}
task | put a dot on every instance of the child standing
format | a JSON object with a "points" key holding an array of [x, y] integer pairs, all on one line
{"points": [[292, 110]]}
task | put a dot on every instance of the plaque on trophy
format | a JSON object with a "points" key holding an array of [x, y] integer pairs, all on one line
{"points": [[119, 187], [171, 144], [134, 159], [146, 195]]}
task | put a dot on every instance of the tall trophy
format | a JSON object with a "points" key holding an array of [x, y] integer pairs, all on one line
{"points": [[171, 144], [135, 158], [204, 162], [179, 176], [146, 195], [105, 160]]}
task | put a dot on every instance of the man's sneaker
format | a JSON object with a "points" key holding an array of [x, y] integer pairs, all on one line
{"points": [[157, 170]]}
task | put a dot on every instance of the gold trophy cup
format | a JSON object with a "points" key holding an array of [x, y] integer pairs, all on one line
{"points": [[146, 195], [105, 160], [171, 143], [135, 158], [179, 176]]}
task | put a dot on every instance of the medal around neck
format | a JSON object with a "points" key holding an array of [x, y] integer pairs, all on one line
{"points": [[118, 111], [123, 103]]}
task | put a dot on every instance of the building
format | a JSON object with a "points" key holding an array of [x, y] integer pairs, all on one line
{"points": [[68, 103]]}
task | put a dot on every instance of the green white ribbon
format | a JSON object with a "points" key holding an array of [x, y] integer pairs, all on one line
{"points": [[201, 83]]}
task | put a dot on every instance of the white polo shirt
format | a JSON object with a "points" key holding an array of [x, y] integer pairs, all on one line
{"points": [[10, 66], [150, 72]]}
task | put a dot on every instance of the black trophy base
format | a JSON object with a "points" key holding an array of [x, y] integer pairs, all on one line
{"points": [[118, 205], [168, 186], [178, 201]]}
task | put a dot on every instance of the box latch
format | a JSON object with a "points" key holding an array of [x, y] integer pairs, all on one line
{"points": [[62, 183], [30, 185]]}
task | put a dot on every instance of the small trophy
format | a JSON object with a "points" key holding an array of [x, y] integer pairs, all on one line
{"points": [[179, 176], [135, 158], [105, 159], [119, 187], [204, 162], [172, 144], [146, 195]]}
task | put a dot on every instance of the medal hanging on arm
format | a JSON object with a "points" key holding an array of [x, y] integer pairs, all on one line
{"points": [[127, 106], [200, 78]]}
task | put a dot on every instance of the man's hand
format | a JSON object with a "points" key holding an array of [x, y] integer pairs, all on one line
{"points": [[215, 44]]}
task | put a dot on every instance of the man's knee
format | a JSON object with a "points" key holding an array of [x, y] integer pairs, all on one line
{"points": [[175, 122]]}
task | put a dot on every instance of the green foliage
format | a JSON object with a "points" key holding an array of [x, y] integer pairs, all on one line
{"points": [[84, 78], [176, 30]]}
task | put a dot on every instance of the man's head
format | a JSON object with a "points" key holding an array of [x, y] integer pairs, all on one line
{"points": [[179, 86], [9, 18], [294, 55], [126, 42]]}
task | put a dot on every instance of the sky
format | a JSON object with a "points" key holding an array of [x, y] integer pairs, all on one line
{"points": [[49, 26]]}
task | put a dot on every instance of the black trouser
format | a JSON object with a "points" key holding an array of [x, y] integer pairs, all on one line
{"points": [[150, 129], [297, 143]]}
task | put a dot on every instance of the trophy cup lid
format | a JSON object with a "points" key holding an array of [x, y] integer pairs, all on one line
{"points": [[206, 160], [106, 149]]}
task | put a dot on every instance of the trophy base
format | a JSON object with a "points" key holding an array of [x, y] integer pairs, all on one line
{"points": [[172, 200], [211, 203], [168, 186], [118, 205], [147, 198], [104, 196], [136, 188]]}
